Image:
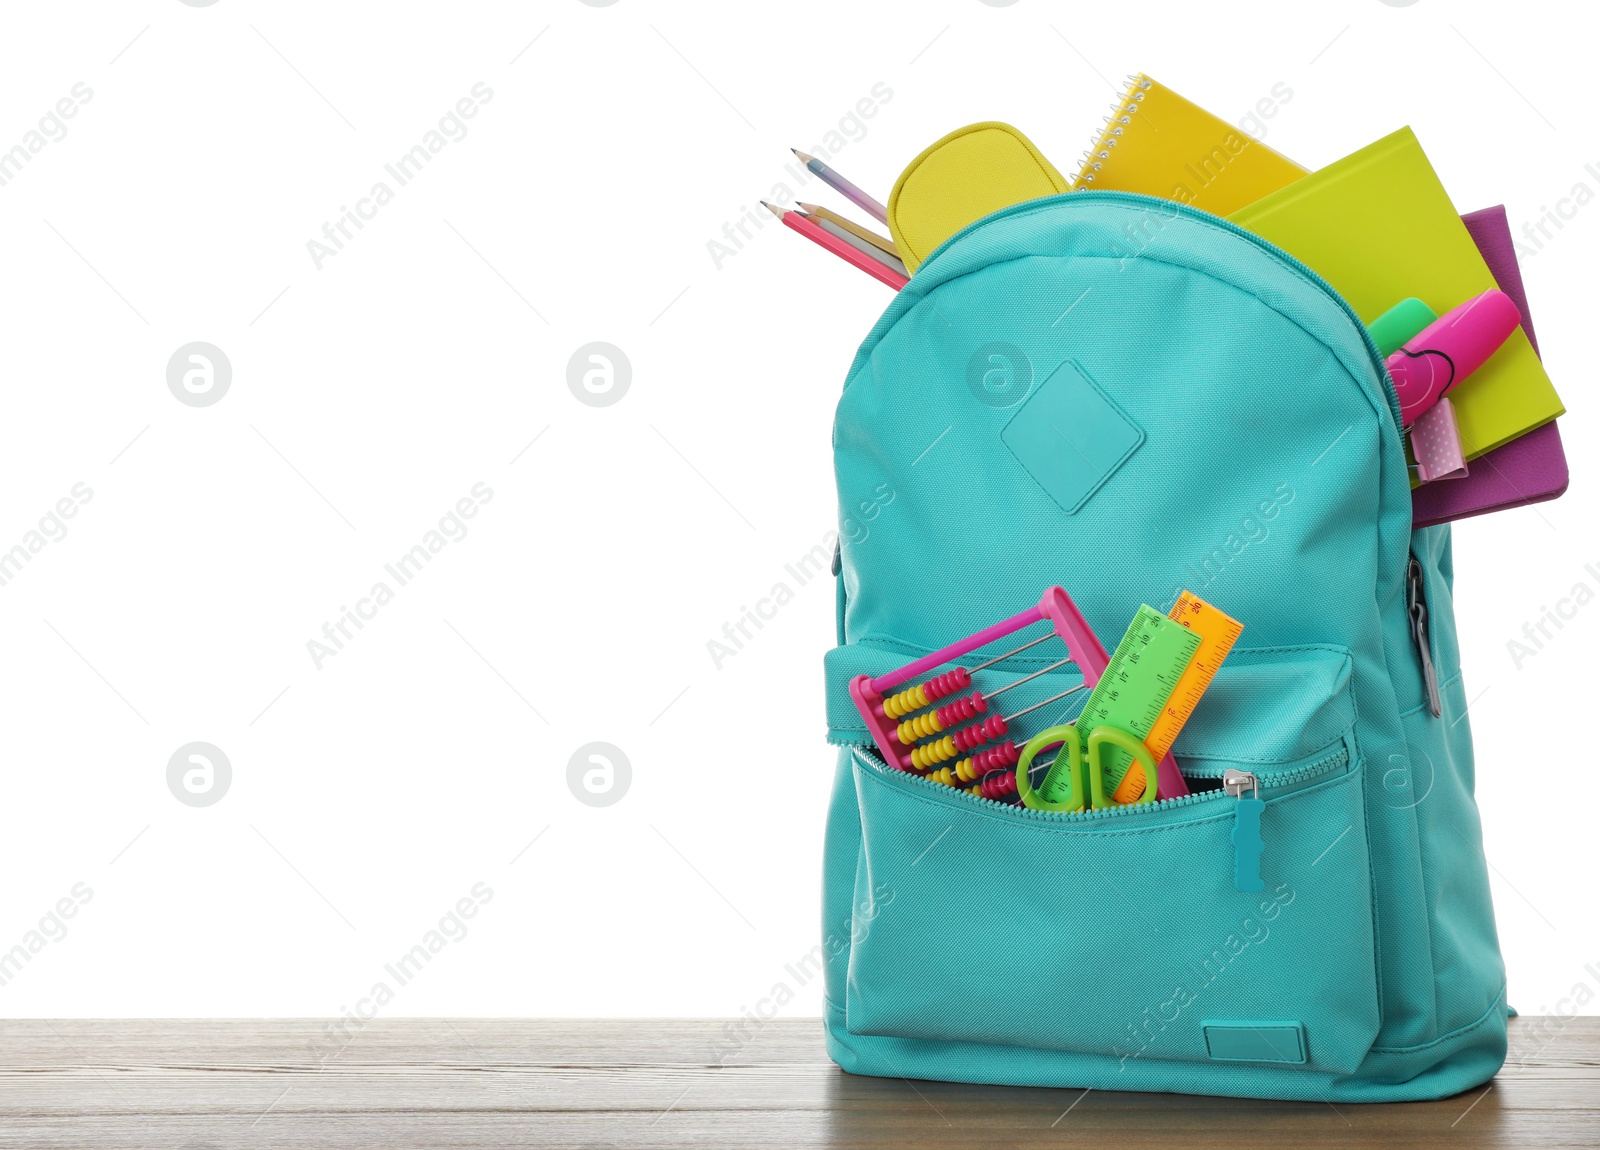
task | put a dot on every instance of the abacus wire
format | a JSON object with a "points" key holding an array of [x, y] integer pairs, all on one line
{"points": [[1014, 651], [1027, 678], [933, 722], [1047, 702], [968, 738]]}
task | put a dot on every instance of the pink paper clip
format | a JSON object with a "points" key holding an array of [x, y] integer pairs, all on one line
{"points": [[914, 732], [1436, 443]]}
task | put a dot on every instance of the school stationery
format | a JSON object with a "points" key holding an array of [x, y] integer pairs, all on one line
{"points": [[914, 731], [882, 242], [1378, 226], [1449, 350], [900, 720], [1491, 232], [843, 186], [1218, 633], [871, 251], [873, 266], [1436, 444], [1531, 469], [1434, 441], [1143, 673], [1158, 143], [963, 177], [1400, 323], [1075, 781]]}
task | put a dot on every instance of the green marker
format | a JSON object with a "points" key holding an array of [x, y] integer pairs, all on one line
{"points": [[1399, 324]]}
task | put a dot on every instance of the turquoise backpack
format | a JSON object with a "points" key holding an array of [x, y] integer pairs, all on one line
{"points": [[1127, 397]]}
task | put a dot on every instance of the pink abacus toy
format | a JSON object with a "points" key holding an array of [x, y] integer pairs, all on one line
{"points": [[914, 734]]}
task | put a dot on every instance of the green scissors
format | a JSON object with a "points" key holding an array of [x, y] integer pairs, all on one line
{"points": [[1076, 780]]}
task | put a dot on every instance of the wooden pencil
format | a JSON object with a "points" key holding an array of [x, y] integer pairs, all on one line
{"points": [[843, 186], [883, 243], [797, 222], [867, 249]]}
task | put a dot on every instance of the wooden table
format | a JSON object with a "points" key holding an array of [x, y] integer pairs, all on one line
{"points": [[447, 1083]]}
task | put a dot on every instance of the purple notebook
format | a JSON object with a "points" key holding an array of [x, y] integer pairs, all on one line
{"points": [[1529, 469]]}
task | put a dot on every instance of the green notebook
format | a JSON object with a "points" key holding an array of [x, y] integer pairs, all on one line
{"points": [[1379, 227]]}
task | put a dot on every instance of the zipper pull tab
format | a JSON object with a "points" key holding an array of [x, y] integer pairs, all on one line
{"points": [[1417, 608], [1247, 841]]}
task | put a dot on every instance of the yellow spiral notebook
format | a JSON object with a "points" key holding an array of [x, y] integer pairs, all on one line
{"points": [[1379, 227], [1157, 143]]}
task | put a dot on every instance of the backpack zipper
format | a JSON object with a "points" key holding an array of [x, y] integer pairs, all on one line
{"points": [[1417, 614], [1305, 271], [1247, 841], [1246, 834], [840, 599]]}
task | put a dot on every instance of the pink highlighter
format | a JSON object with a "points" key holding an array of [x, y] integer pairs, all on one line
{"points": [[1449, 349]]}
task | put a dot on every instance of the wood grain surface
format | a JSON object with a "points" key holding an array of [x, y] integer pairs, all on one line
{"points": [[459, 1083]]}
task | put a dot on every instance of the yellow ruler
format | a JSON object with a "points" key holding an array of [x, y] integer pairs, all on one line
{"points": [[1218, 633]]}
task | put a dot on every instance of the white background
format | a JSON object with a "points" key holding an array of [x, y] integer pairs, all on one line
{"points": [[371, 794]]}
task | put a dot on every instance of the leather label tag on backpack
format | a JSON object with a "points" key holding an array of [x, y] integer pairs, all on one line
{"points": [[1070, 437], [1255, 1041]]}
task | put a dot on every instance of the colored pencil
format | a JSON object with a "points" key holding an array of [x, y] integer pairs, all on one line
{"points": [[843, 186], [882, 242], [796, 222], [872, 250]]}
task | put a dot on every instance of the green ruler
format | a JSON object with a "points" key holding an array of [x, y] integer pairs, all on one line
{"points": [[1144, 670]]}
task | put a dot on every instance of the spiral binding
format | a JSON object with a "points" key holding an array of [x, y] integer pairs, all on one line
{"points": [[1121, 116]]}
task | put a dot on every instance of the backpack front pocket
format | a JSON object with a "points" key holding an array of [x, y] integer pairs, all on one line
{"points": [[1121, 931]]}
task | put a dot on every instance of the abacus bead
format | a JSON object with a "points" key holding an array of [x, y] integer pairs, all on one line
{"points": [[939, 686], [919, 728], [962, 709], [911, 699], [936, 752]]}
